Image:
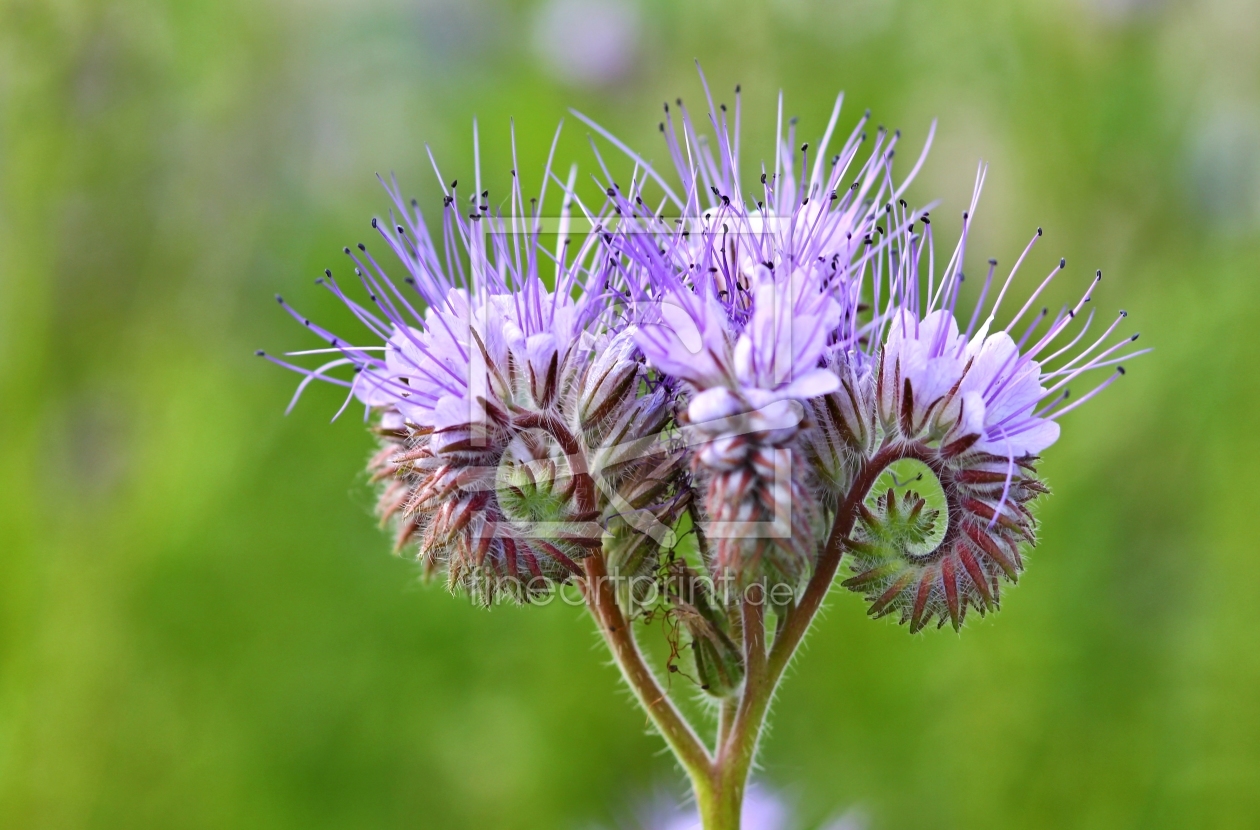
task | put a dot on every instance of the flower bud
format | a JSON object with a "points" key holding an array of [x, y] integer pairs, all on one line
{"points": [[758, 506], [718, 659], [897, 567], [842, 429]]}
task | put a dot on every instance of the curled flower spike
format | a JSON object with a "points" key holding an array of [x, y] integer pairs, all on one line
{"points": [[976, 408]]}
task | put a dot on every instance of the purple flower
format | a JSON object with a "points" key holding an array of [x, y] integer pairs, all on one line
{"points": [[985, 388], [482, 382], [445, 372]]}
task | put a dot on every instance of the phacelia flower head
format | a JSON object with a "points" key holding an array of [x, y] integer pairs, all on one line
{"points": [[977, 406], [787, 341], [506, 432]]}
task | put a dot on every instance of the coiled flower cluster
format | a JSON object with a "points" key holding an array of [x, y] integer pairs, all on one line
{"points": [[741, 362]]}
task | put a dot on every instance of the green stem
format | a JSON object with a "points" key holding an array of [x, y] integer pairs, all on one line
{"points": [[674, 728], [719, 801]]}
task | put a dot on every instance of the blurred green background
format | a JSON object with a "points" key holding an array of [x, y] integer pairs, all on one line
{"points": [[201, 626]]}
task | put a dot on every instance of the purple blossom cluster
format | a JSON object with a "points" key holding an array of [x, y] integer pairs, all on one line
{"points": [[693, 350]]}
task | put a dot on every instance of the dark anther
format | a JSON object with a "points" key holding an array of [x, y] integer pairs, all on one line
{"points": [[400, 229], [454, 183], [345, 250], [328, 272], [280, 299], [902, 202], [260, 353], [805, 146], [1038, 231], [374, 221], [993, 262], [714, 189], [854, 186], [726, 200], [362, 247], [736, 89], [964, 216], [485, 193], [1135, 337], [1098, 275], [415, 203], [927, 221], [662, 126], [834, 195], [678, 101], [763, 178], [722, 107], [1062, 263]]}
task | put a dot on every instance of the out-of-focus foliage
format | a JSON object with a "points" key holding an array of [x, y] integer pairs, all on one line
{"points": [[200, 627]]}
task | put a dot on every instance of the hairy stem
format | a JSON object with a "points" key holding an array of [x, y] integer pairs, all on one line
{"points": [[674, 728]]}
